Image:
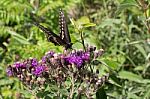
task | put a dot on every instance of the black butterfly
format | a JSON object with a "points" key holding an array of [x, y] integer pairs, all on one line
{"points": [[64, 38]]}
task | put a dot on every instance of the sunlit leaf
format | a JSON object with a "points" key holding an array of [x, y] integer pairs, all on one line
{"points": [[125, 5], [147, 94], [83, 20], [114, 80], [109, 22], [139, 68], [6, 92], [141, 49], [130, 76], [19, 37], [81, 23], [148, 13], [6, 82], [133, 96], [89, 25], [111, 63]]}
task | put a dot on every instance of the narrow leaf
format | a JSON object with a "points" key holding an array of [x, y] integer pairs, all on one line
{"points": [[19, 37], [130, 76]]}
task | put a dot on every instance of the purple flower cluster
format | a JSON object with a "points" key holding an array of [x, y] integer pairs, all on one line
{"points": [[30, 65], [78, 58], [53, 60], [57, 67], [49, 54], [34, 62], [38, 70], [19, 65], [9, 71]]}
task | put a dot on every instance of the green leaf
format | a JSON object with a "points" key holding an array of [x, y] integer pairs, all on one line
{"points": [[72, 21], [146, 81], [83, 20], [111, 63], [114, 80], [95, 62], [64, 92], [130, 76], [19, 37], [148, 13], [141, 49], [126, 4], [141, 68], [147, 94], [133, 96], [6, 82], [6, 92], [89, 25], [81, 23], [109, 22], [128, 1]]}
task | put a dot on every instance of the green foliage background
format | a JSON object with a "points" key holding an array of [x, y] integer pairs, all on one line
{"points": [[120, 30]]}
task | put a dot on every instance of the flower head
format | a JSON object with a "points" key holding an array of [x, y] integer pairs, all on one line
{"points": [[86, 56], [47, 55], [44, 58], [98, 53], [50, 54], [78, 58], [34, 62], [19, 65], [39, 70], [9, 71]]}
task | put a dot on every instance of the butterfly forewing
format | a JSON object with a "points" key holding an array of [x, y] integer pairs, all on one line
{"points": [[64, 38], [51, 37], [64, 33]]}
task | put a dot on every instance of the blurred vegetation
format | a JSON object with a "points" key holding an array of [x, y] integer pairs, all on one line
{"points": [[122, 30]]}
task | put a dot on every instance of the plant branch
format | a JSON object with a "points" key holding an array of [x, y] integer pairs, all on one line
{"points": [[72, 87], [144, 7], [147, 21], [82, 39]]}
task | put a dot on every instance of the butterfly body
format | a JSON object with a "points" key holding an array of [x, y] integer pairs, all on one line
{"points": [[64, 38]]}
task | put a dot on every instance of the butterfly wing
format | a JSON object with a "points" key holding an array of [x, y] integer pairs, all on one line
{"points": [[64, 33], [51, 37]]}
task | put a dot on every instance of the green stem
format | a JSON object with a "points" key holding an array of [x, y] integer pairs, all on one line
{"points": [[91, 68], [142, 4], [147, 23], [82, 39], [1, 96], [72, 88]]}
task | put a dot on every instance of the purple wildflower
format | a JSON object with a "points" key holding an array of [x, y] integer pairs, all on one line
{"points": [[39, 70], [19, 65], [78, 58], [86, 56], [44, 59], [98, 53], [75, 60], [34, 62], [48, 55], [9, 71]]}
